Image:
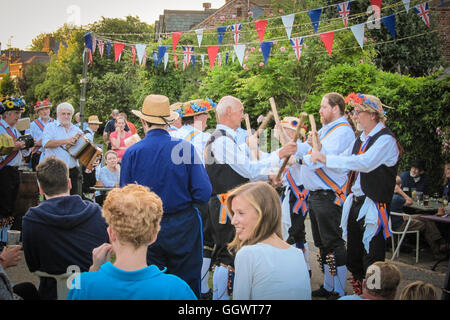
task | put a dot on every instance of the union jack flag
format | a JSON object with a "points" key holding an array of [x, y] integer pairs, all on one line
{"points": [[188, 52], [297, 45], [422, 11], [236, 30], [344, 11], [101, 47]]}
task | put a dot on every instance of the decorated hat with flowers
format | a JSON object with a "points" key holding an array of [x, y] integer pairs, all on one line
{"points": [[366, 102], [292, 123], [12, 103], [195, 107], [42, 104]]}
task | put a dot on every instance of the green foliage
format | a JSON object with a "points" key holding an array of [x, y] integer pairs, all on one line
{"points": [[34, 74], [7, 86]]}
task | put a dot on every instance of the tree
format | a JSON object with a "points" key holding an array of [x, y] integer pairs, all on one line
{"points": [[34, 74], [7, 86]]}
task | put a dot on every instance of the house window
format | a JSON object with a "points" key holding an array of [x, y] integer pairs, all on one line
{"points": [[239, 12]]}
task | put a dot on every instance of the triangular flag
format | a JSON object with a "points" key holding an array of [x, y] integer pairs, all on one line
{"points": [[265, 49], [314, 15], [140, 50], [358, 32], [327, 39], [288, 21], [344, 11], [199, 33], [423, 12], [236, 30], [175, 38], [212, 54], [118, 47], [194, 59], [101, 47], [88, 40], [377, 3], [389, 22], [297, 45], [188, 52], [406, 3], [161, 53], [203, 59], [144, 60], [108, 49], [155, 59], [166, 60], [261, 28], [220, 34], [240, 50], [94, 45], [133, 54]]}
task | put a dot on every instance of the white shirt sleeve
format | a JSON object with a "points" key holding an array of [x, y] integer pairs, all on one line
{"points": [[243, 277]]}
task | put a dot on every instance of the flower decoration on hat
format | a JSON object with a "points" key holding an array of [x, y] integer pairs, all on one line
{"points": [[361, 99], [12, 103], [353, 97], [43, 104], [194, 107]]}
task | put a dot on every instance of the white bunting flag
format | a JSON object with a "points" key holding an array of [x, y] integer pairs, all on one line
{"points": [[240, 50], [199, 33], [406, 3], [140, 50], [203, 59], [288, 21], [166, 59], [358, 32]]}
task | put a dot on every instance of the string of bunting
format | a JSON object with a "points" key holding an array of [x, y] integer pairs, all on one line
{"points": [[92, 41]]}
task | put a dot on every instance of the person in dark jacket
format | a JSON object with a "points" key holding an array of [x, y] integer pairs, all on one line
{"points": [[63, 230]]}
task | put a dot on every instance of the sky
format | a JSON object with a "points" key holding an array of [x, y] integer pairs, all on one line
{"points": [[23, 20]]}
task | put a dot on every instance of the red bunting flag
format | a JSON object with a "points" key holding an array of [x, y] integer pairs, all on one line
{"points": [[378, 4], [261, 28], [212, 54], [175, 38], [133, 52], [327, 39], [118, 48]]}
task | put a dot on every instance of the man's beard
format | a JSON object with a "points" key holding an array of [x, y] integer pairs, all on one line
{"points": [[359, 127]]}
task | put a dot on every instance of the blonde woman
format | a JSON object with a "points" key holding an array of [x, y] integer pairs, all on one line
{"points": [[266, 267], [117, 138], [419, 290], [133, 214]]}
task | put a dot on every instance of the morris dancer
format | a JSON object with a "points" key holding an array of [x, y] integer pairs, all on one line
{"points": [[228, 165], [37, 128], [174, 126], [326, 195], [374, 158]]}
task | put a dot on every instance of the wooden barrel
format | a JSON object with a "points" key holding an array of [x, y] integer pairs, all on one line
{"points": [[28, 194]]}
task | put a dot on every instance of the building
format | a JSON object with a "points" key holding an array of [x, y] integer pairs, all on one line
{"points": [[15, 61]]}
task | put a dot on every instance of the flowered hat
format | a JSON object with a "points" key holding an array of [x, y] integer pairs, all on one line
{"points": [[367, 103], [195, 107], [292, 123], [12, 103], [42, 104]]}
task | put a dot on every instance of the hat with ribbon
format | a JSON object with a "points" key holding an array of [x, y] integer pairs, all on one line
{"points": [[42, 105], [195, 107], [94, 120], [292, 123], [366, 102], [156, 110], [11, 104]]}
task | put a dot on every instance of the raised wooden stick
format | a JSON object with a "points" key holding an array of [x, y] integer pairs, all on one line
{"points": [[315, 142], [264, 123], [253, 152], [297, 135], [283, 137]]}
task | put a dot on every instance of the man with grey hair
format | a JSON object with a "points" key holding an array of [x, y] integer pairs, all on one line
{"points": [[59, 134], [228, 165]]}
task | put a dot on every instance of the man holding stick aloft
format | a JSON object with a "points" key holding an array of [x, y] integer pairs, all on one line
{"points": [[373, 157], [327, 194]]}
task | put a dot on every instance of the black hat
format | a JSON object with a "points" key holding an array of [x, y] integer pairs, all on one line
{"points": [[419, 164]]}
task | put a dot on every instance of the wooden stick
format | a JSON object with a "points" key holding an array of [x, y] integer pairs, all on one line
{"points": [[315, 142], [264, 123], [283, 137], [253, 152], [297, 135]]}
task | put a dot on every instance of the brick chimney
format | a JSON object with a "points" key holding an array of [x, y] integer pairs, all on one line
{"points": [[49, 43], [206, 5]]}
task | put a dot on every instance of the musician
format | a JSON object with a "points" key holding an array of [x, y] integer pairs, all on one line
{"points": [[327, 195], [37, 128], [93, 125], [228, 165], [172, 169], [57, 136], [11, 110], [373, 157], [194, 115]]}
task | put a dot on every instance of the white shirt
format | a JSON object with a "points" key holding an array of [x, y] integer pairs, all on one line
{"points": [[36, 131], [334, 143], [263, 272], [198, 138], [237, 157]]}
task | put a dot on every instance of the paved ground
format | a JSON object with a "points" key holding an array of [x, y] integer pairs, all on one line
{"points": [[406, 263]]}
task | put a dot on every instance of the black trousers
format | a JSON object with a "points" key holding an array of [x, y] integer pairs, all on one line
{"points": [[358, 260], [222, 234], [9, 186], [296, 232], [325, 218], [208, 241], [74, 175]]}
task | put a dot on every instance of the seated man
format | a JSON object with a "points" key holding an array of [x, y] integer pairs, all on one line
{"points": [[428, 228], [63, 230], [415, 178], [133, 214], [381, 283]]}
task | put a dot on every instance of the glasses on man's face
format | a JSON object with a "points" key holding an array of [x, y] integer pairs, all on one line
{"points": [[357, 112]]}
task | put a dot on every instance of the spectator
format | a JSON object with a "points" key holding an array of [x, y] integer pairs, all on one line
{"points": [[381, 282], [133, 214], [63, 230], [109, 175], [111, 127], [117, 138], [428, 228], [130, 125], [415, 178], [446, 189], [78, 121], [9, 257], [266, 266], [419, 290], [93, 124]]}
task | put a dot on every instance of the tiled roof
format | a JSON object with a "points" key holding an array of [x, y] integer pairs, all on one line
{"points": [[178, 20]]}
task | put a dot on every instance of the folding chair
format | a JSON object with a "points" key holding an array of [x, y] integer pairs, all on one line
{"points": [[62, 287], [401, 235]]}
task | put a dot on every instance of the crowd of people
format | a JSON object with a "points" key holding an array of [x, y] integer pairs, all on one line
{"points": [[165, 211]]}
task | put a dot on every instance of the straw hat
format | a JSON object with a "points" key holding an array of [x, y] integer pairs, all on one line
{"points": [[42, 105], [94, 120], [156, 110], [292, 123], [194, 107], [368, 103]]}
